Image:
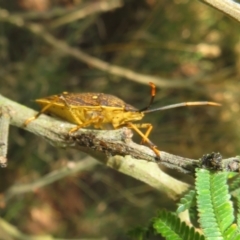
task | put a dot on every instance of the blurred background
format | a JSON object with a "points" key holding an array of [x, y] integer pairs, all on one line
{"points": [[187, 44]]}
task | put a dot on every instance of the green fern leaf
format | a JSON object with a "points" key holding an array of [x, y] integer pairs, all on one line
{"points": [[238, 212], [170, 227], [186, 201], [231, 233], [214, 205], [237, 237], [234, 184]]}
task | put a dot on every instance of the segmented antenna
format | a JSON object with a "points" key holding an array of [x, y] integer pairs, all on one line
{"points": [[153, 93], [183, 104]]}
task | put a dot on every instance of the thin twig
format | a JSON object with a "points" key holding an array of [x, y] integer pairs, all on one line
{"points": [[69, 169], [41, 32], [92, 8], [16, 234], [4, 129], [228, 7]]}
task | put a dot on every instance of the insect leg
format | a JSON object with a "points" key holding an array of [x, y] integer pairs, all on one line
{"points": [[85, 124], [145, 136], [39, 113], [149, 129]]}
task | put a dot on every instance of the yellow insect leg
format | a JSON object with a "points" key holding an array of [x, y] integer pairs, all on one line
{"points": [[149, 129], [39, 113], [87, 123], [145, 136]]}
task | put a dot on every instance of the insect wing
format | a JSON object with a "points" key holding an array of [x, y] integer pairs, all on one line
{"points": [[96, 99]]}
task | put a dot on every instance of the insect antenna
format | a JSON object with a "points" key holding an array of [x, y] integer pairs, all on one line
{"points": [[183, 104], [153, 93]]}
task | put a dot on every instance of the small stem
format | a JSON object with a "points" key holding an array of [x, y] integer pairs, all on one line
{"points": [[92, 8], [4, 129], [228, 7], [49, 178]]}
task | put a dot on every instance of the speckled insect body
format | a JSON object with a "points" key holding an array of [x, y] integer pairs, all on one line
{"points": [[85, 109], [99, 109]]}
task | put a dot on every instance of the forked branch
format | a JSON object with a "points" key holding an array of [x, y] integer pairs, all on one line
{"points": [[115, 149]]}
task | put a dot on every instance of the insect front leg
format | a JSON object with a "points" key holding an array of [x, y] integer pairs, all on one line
{"points": [[147, 133], [145, 138]]}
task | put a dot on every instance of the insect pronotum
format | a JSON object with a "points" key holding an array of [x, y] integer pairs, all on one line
{"points": [[99, 109]]}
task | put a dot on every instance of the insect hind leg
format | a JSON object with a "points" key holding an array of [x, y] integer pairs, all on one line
{"points": [[43, 110]]}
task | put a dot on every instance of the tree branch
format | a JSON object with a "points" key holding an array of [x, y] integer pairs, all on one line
{"points": [[228, 7], [115, 149]]}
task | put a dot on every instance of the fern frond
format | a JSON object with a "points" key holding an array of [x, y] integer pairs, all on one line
{"points": [[214, 205], [170, 227], [187, 201], [235, 183], [231, 233], [238, 212]]}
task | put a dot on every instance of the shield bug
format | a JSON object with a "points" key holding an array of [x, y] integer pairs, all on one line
{"points": [[99, 109]]}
